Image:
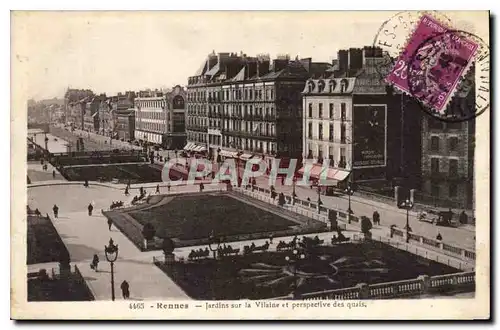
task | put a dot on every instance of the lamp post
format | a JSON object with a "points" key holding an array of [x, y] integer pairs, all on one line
{"points": [[293, 260], [407, 205], [213, 239], [111, 252], [349, 191], [319, 197]]}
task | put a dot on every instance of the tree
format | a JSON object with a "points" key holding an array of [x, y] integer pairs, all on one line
{"points": [[366, 226], [148, 231], [168, 246]]}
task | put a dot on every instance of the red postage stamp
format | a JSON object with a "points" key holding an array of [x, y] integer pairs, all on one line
{"points": [[433, 63]]}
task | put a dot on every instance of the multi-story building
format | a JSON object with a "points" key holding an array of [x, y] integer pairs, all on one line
{"points": [[245, 107], [160, 117], [447, 162], [366, 132], [74, 104], [125, 124], [91, 114]]}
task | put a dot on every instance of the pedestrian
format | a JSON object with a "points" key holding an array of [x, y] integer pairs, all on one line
{"points": [[201, 186], [157, 188], [125, 290], [53, 174], [126, 191], [90, 208], [95, 263], [282, 180], [376, 218], [56, 210], [37, 212], [271, 236], [439, 237], [110, 222], [463, 218], [168, 187]]}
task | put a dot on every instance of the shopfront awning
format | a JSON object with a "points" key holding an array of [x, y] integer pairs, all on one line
{"points": [[189, 146], [332, 176], [225, 153], [314, 171], [197, 148], [245, 157]]}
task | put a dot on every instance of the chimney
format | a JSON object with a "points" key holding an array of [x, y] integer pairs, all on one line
{"points": [[343, 60], [212, 60], [355, 59], [251, 68], [263, 67], [306, 62], [280, 64]]}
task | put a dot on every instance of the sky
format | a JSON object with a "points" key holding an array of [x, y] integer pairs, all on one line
{"points": [[112, 52]]}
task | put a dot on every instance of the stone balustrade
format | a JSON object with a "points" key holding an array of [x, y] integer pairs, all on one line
{"points": [[424, 284]]}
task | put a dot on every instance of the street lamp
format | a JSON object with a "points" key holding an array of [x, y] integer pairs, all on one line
{"points": [[111, 252], [349, 191], [319, 197], [407, 205], [212, 239], [293, 260]]}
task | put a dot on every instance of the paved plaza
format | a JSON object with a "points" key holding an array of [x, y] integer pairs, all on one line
{"points": [[86, 235]]}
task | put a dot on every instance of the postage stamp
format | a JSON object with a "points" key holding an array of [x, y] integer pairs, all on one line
{"points": [[433, 63]]}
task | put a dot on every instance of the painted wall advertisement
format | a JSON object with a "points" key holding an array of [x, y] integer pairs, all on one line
{"points": [[369, 135]]}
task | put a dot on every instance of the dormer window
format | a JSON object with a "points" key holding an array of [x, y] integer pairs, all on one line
{"points": [[344, 83], [332, 84], [311, 86]]}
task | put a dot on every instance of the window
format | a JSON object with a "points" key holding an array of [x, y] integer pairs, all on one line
{"points": [[435, 124], [321, 110], [453, 167], [320, 131], [331, 111], [310, 110], [452, 190], [342, 133], [330, 133], [434, 165], [435, 143], [330, 155], [320, 154], [250, 94], [310, 129], [343, 112], [454, 125], [452, 144], [434, 189], [342, 162], [309, 151]]}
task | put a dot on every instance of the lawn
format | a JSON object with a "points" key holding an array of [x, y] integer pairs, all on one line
{"points": [[268, 275], [136, 173], [194, 217], [43, 242]]}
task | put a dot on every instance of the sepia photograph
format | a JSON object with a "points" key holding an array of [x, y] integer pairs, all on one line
{"points": [[250, 165]]}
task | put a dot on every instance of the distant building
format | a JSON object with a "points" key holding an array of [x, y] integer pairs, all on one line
{"points": [[360, 127], [125, 124], [160, 117], [75, 104], [91, 114], [447, 162], [244, 107]]}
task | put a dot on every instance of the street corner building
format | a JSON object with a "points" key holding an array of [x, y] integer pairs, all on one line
{"points": [[160, 117], [246, 107]]}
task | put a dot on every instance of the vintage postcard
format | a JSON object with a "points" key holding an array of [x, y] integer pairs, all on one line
{"points": [[250, 165]]}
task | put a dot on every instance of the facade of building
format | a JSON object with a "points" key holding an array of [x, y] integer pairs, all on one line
{"points": [[91, 115], [365, 131], [160, 117], [447, 163], [74, 105], [125, 124], [243, 107]]}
